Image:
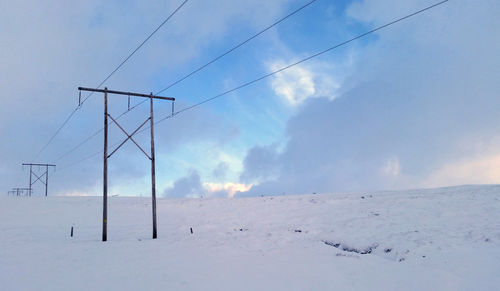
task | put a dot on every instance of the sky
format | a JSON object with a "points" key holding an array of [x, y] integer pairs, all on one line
{"points": [[412, 105]]}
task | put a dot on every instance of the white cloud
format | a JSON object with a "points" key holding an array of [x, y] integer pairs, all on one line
{"points": [[230, 188], [392, 167], [297, 84]]}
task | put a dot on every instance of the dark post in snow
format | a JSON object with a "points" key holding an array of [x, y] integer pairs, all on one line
{"points": [[151, 156], [39, 178]]}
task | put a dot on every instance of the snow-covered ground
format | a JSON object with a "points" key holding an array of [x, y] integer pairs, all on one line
{"points": [[434, 239]]}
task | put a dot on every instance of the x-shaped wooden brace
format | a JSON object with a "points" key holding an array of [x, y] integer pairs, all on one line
{"points": [[38, 178], [129, 136]]}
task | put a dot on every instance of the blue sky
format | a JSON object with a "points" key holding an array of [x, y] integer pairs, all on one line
{"points": [[410, 106]]}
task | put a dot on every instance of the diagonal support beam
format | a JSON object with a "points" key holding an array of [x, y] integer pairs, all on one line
{"points": [[129, 136], [38, 178]]}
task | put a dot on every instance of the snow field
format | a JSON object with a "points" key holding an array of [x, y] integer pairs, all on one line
{"points": [[430, 239]]}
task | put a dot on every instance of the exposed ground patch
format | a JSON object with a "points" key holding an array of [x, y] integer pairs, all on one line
{"points": [[346, 248]]}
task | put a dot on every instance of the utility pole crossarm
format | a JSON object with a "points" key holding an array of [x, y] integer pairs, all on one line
{"points": [[44, 165], [125, 93]]}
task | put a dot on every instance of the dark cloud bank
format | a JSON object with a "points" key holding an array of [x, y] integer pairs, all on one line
{"points": [[421, 97]]}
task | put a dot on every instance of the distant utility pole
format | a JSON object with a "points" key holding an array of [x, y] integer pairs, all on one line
{"points": [[129, 136], [39, 178], [19, 191]]}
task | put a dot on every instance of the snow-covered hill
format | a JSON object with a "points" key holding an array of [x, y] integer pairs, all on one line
{"points": [[433, 239]]}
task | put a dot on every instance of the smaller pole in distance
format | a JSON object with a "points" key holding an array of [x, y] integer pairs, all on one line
{"points": [[45, 168]]}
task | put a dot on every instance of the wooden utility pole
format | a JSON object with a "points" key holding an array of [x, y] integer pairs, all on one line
{"points": [[151, 156], [105, 172], [39, 178], [153, 174]]}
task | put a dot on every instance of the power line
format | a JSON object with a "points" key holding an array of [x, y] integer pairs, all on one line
{"points": [[80, 161], [236, 47], [305, 59], [90, 156], [229, 51], [56, 133], [193, 72], [80, 144], [109, 76], [147, 38], [287, 67]]}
